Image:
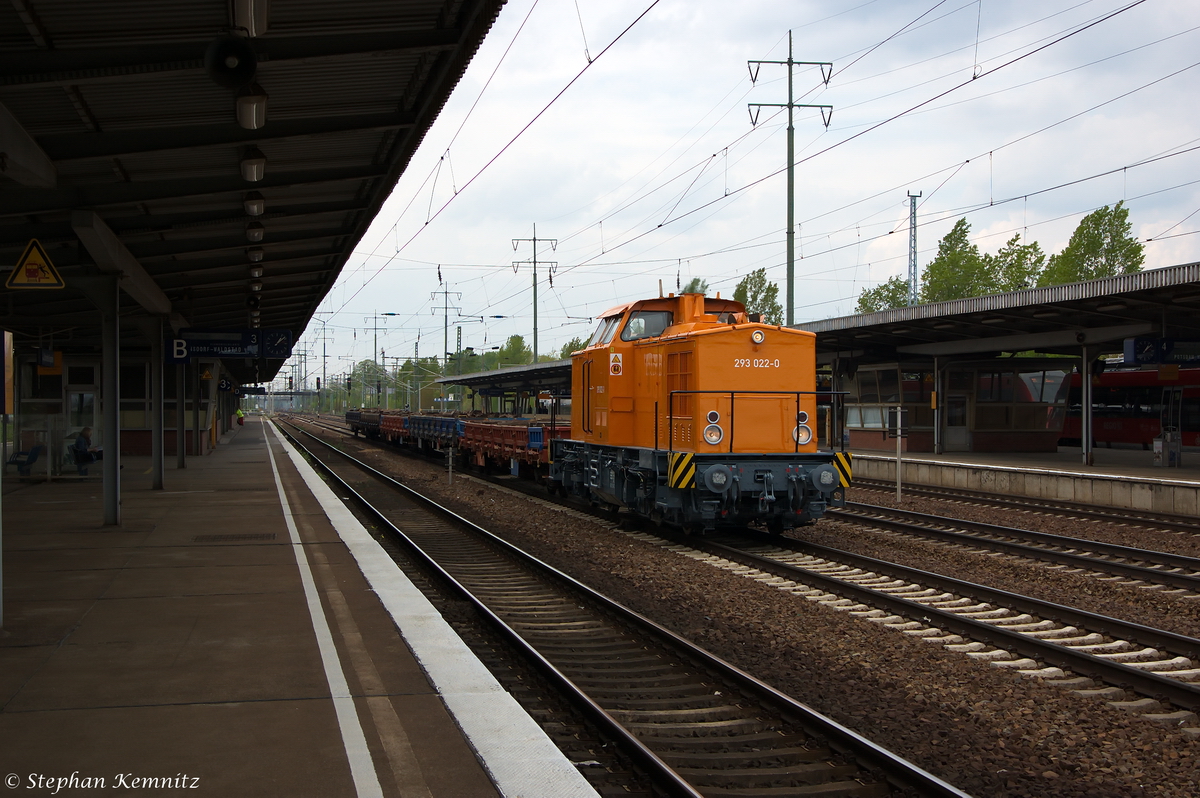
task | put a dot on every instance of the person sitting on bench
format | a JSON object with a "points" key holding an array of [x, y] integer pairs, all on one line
{"points": [[85, 453]]}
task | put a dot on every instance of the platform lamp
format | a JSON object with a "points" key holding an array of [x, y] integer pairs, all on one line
{"points": [[252, 16], [251, 107], [253, 165], [254, 203]]}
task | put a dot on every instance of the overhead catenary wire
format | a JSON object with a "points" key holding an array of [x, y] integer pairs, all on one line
{"points": [[481, 285], [519, 133]]}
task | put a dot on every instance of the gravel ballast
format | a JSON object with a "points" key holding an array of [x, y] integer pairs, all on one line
{"points": [[987, 731]]}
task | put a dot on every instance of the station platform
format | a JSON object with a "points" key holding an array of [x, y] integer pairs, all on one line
{"points": [[240, 634], [1123, 478]]}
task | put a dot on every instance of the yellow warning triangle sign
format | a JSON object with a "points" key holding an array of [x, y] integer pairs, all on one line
{"points": [[34, 270]]}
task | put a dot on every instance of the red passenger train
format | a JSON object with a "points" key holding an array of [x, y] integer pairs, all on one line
{"points": [[1130, 407]]}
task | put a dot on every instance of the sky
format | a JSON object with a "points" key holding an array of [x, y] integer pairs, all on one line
{"points": [[620, 130]]}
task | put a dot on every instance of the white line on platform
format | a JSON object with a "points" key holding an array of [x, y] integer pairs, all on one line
{"points": [[362, 768], [514, 750]]}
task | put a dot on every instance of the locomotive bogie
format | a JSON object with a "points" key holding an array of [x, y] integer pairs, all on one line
{"points": [[700, 491]]}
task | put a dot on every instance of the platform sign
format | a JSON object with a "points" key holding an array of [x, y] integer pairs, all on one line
{"points": [[34, 270], [275, 344], [250, 390], [1150, 351]]}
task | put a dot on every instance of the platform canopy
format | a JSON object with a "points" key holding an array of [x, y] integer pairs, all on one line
{"points": [[181, 144], [553, 377], [1060, 319]]}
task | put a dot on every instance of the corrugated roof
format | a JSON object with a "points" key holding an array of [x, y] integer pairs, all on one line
{"points": [[1058, 318], [115, 94]]}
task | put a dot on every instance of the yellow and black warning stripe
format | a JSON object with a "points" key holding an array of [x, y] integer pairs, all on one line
{"points": [[843, 462], [681, 470]]}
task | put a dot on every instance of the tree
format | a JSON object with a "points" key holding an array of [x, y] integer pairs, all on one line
{"points": [[760, 296], [1014, 267], [1100, 247], [892, 294], [571, 346], [957, 271], [696, 285], [514, 352]]}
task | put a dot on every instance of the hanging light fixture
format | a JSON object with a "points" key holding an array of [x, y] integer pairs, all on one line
{"points": [[256, 271], [255, 285], [251, 105], [255, 231], [254, 165], [255, 254], [252, 16], [254, 203]]}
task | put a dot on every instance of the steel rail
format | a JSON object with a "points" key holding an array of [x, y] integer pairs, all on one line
{"points": [[1177, 692], [661, 773], [919, 523], [841, 738], [1178, 522]]}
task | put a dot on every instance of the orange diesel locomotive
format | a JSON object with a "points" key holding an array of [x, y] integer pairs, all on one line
{"points": [[692, 412]]}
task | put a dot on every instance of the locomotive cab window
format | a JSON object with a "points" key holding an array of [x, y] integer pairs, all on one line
{"points": [[604, 332], [646, 324]]}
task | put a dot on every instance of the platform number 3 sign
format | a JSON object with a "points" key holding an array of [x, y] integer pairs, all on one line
{"points": [[614, 363]]}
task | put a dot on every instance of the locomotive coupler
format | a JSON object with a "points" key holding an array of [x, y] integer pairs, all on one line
{"points": [[767, 497], [795, 490]]}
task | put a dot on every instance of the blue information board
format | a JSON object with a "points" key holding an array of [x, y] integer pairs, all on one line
{"points": [[189, 343]]}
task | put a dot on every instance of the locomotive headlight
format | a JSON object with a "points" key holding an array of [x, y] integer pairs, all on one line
{"points": [[802, 434], [758, 336], [717, 478], [713, 416], [802, 417], [713, 434]]}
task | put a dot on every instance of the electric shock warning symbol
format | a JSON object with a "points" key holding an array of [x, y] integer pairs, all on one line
{"points": [[614, 363]]}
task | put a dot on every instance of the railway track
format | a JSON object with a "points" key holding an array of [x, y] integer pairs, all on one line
{"points": [[1179, 523], [1094, 655], [1134, 566], [696, 724]]}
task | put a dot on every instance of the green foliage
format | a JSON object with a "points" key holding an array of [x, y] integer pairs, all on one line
{"points": [[957, 271], [892, 294], [760, 296], [1101, 246], [413, 382], [696, 285], [514, 352], [571, 346], [1014, 267]]}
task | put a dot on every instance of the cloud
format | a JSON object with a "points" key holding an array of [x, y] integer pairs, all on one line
{"points": [[656, 132]]}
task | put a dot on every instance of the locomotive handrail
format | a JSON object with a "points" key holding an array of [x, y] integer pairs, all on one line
{"points": [[732, 403]]}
